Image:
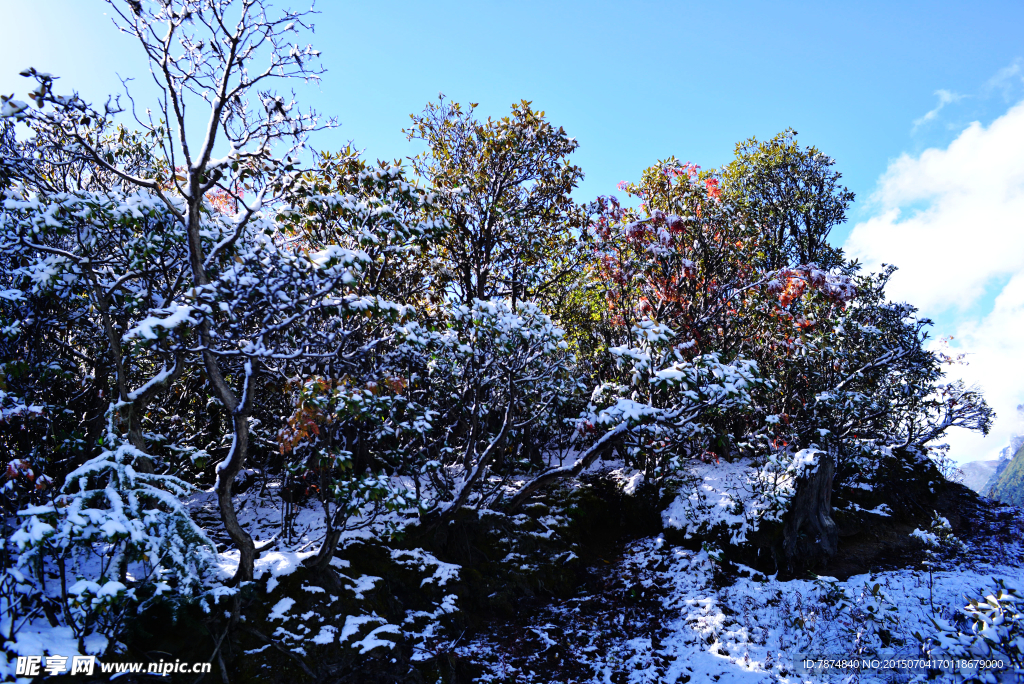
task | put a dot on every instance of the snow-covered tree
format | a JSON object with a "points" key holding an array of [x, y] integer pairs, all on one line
{"points": [[498, 381], [715, 258], [235, 291], [664, 414]]}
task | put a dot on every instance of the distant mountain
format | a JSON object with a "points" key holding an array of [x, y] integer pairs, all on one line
{"points": [[1007, 483], [1016, 441], [978, 473], [1000, 467]]}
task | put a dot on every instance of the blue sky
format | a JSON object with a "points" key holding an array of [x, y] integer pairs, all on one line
{"points": [[890, 90]]}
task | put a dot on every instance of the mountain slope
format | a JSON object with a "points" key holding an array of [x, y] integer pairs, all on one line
{"points": [[977, 474], [1007, 485]]}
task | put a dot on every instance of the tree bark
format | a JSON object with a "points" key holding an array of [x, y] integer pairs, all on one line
{"points": [[239, 410], [226, 472], [810, 536], [608, 442]]}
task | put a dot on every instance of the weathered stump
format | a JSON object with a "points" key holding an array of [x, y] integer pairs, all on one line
{"points": [[810, 537]]}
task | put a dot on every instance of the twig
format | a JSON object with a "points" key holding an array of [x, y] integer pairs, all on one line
{"points": [[282, 649], [216, 652]]}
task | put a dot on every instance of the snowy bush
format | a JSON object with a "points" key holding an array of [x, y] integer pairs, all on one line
{"points": [[733, 500], [497, 378], [939, 536], [112, 540], [996, 631], [673, 401]]}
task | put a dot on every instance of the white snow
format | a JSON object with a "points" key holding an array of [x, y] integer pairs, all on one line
{"points": [[176, 315], [443, 573], [281, 608], [757, 630]]}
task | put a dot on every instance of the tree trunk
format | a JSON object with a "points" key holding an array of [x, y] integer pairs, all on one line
{"points": [[810, 537], [129, 413], [225, 482], [606, 444], [322, 561], [238, 411], [320, 565]]}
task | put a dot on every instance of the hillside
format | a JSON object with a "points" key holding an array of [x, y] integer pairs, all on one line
{"points": [[664, 613], [285, 418], [1007, 484]]}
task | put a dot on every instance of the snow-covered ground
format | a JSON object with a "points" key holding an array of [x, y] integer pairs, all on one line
{"points": [[665, 614], [657, 613]]}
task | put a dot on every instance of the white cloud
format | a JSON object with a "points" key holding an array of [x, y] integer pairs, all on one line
{"points": [[995, 354], [1006, 79], [953, 220], [945, 97]]}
